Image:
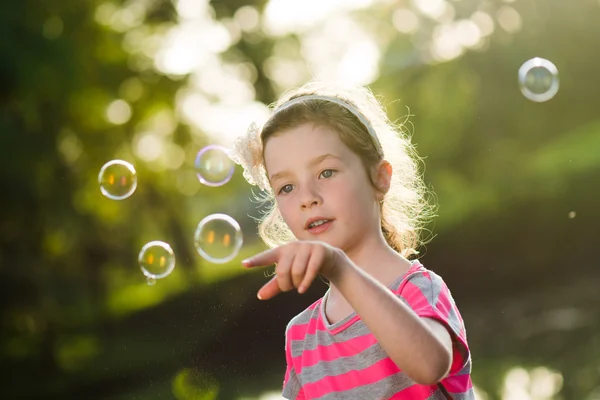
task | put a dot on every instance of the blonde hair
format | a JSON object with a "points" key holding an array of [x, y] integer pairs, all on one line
{"points": [[405, 209]]}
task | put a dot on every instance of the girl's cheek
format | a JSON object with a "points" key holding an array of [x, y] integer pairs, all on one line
{"points": [[283, 206], [334, 185]]}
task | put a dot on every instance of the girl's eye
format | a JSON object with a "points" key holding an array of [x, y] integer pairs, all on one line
{"points": [[328, 173], [285, 188]]}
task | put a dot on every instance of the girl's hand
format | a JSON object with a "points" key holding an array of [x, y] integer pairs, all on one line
{"points": [[297, 265]]}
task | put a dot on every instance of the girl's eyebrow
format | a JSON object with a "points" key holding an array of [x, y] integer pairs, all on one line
{"points": [[312, 163]]}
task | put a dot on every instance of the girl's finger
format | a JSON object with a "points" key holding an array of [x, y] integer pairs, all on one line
{"points": [[283, 271], [298, 268], [312, 270], [263, 259], [269, 290]]}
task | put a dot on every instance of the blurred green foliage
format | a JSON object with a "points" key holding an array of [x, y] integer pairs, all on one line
{"points": [[515, 180]]}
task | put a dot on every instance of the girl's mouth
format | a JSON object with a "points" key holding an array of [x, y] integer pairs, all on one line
{"points": [[320, 226]]}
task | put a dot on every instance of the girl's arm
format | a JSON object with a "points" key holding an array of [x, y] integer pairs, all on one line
{"points": [[420, 347]]}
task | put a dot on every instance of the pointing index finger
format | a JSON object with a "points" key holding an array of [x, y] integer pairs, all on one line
{"points": [[263, 259]]}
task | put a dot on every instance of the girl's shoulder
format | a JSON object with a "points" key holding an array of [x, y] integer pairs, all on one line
{"points": [[417, 274]]}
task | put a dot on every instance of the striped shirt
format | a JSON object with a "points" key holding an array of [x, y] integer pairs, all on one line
{"points": [[344, 360]]}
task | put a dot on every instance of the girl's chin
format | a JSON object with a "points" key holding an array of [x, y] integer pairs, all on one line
{"points": [[332, 241]]}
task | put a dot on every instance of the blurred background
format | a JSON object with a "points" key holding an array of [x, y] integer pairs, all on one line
{"points": [[153, 82]]}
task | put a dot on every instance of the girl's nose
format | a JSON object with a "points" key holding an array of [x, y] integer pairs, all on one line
{"points": [[309, 198]]}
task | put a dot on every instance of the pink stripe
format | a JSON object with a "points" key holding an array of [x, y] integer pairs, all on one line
{"points": [[352, 379], [315, 304], [458, 361], [444, 305], [299, 332], [413, 294], [344, 326], [349, 348], [458, 383], [415, 269]]}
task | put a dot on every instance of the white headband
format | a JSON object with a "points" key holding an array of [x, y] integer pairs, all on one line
{"points": [[247, 150], [342, 103]]}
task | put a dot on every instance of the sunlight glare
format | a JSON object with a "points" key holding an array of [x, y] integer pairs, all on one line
{"points": [[445, 45], [467, 33], [283, 17], [540, 383], [223, 123], [148, 146], [286, 73], [484, 22], [271, 396], [118, 112], [189, 45], [341, 38], [509, 19], [360, 63], [191, 9], [431, 8], [226, 82], [247, 18], [405, 21], [480, 394]]}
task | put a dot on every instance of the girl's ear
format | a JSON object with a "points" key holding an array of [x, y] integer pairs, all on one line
{"points": [[383, 177]]}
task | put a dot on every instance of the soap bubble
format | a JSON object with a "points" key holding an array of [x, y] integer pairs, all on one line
{"points": [[213, 165], [218, 238], [156, 260], [150, 281], [117, 179], [538, 79]]}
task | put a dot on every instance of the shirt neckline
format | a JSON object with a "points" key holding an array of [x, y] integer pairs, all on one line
{"points": [[353, 317]]}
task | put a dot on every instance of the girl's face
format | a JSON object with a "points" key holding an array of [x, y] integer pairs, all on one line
{"points": [[315, 177]]}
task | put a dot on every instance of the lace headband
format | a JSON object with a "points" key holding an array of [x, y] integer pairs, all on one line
{"points": [[342, 103], [247, 150]]}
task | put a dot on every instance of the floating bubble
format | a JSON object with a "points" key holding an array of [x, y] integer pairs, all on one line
{"points": [[218, 238], [213, 165], [150, 281], [156, 260], [117, 179], [538, 79]]}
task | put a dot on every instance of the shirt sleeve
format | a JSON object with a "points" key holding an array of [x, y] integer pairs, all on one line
{"points": [[292, 389], [428, 296]]}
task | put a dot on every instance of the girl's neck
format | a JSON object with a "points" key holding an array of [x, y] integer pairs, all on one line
{"points": [[380, 261]]}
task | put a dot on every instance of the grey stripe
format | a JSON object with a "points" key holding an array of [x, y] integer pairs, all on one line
{"points": [[454, 321], [304, 317], [437, 287], [466, 370], [382, 389], [429, 287], [343, 365], [292, 388], [325, 338], [468, 395]]}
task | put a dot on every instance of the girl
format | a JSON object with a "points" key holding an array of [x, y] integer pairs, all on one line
{"points": [[348, 203]]}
